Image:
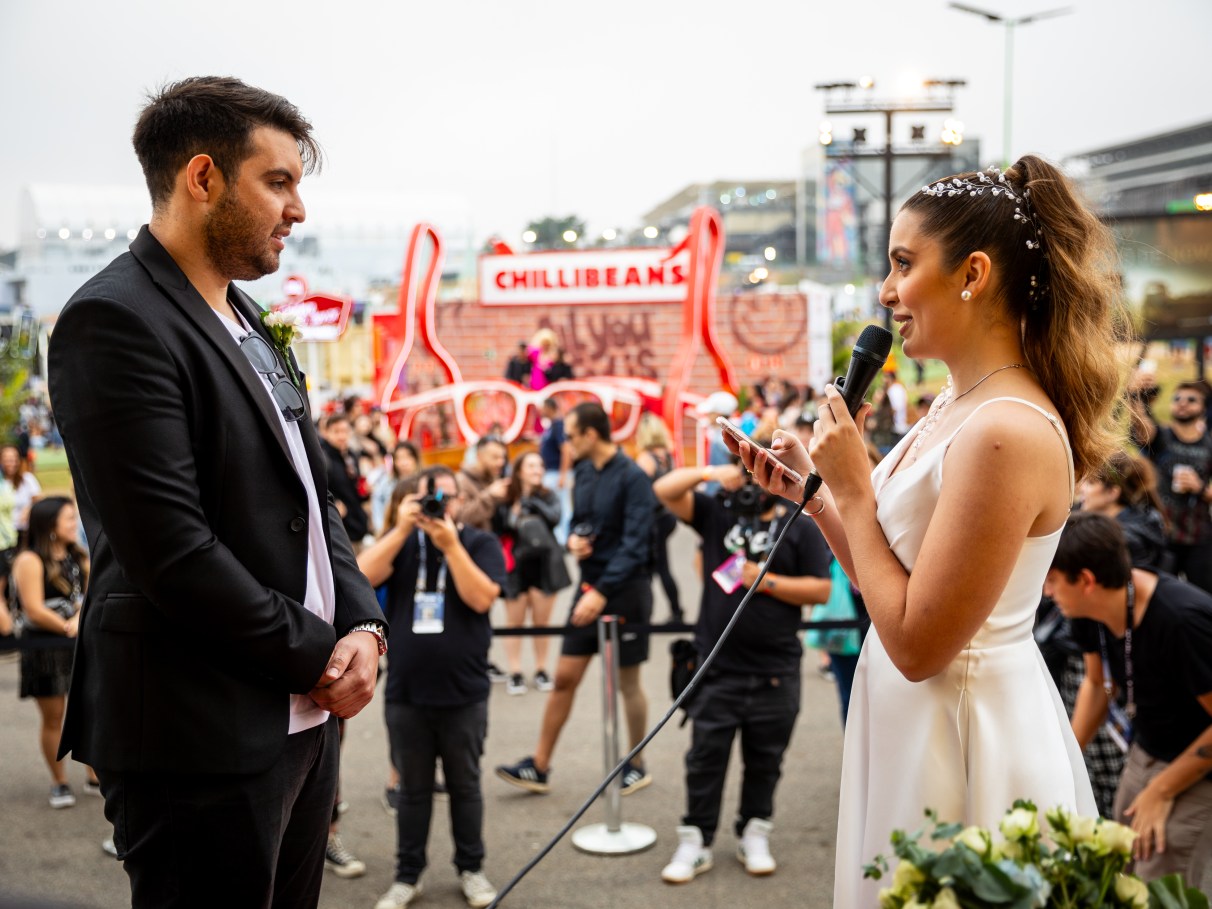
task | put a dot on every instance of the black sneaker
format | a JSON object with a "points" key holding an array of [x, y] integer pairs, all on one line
{"points": [[542, 681], [340, 861], [61, 796], [525, 775], [496, 673], [634, 778], [516, 684]]}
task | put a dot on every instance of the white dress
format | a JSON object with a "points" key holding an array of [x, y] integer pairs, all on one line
{"points": [[987, 730]]}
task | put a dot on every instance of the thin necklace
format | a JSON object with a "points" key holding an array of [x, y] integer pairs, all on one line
{"points": [[948, 396]]}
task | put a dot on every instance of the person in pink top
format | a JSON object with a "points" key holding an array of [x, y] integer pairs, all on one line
{"points": [[542, 353]]}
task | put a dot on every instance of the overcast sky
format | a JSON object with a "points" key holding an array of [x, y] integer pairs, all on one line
{"points": [[527, 108]]}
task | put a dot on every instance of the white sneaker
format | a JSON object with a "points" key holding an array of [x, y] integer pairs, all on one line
{"points": [[399, 896], [476, 889], [690, 860], [754, 848]]}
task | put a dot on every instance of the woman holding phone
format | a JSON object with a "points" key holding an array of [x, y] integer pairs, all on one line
{"points": [[1011, 281]]}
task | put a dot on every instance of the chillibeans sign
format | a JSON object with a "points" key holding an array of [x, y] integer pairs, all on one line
{"points": [[646, 275], [319, 317]]}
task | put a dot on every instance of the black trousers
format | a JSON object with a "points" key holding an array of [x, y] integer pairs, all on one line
{"points": [[763, 710], [419, 736], [239, 841]]}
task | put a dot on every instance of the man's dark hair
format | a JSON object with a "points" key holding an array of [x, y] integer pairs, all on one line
{"points": [[216, 116], [551, 404], [330, 420], [1096, 542], [590, 415], [428, 477], [1198, 386], [484, 441]]}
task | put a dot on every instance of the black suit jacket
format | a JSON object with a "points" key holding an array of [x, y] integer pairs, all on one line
{"points": [[193, 633]]}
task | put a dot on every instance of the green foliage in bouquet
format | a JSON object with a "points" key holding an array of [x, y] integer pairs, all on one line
{"points": [[1078, 863]]}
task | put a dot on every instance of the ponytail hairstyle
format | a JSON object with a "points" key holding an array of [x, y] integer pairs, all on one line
{"points": [[1057, 275]]}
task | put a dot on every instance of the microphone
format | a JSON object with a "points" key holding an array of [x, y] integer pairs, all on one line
{"points": [[870, 352]]}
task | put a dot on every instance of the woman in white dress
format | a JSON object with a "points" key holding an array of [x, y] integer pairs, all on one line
{"points": [[1009, 280]]}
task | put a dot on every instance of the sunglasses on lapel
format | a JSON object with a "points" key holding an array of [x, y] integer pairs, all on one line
{"points": [[265, 361]]}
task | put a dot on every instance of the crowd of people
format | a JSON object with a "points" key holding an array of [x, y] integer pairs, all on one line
{"points": [[290, 555]]}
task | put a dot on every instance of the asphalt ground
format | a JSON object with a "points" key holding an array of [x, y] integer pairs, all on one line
{"points": [[55, 855]]}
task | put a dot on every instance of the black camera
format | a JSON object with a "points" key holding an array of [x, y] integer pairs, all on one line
{"points": [[746, 500], [434, 504]]}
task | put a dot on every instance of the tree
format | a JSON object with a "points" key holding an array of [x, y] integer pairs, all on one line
{"points": [[549, 231]]}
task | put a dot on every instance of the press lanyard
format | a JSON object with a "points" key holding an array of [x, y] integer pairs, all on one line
{"points": [[1130, 706], [423, 568]]}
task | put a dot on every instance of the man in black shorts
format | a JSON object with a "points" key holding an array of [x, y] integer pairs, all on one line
{"points": [[613, 508], [1154, 632]]}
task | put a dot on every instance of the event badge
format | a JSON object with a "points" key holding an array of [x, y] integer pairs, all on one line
{"points": [[1119, 726], [428, 612], [730, 572]]}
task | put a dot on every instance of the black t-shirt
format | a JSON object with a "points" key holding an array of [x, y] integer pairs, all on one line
{"points": [[1171, 665], [1188, 515], [449, 669], [766, 640]]}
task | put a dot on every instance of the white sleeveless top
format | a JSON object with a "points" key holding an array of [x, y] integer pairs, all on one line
{"points": [[985, 731]]}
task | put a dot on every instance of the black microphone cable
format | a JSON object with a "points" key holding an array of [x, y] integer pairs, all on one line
{"points": [[868, 357], [690, 686]]}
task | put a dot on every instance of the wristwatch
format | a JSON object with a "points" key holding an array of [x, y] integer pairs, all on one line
{"points": [[375, 628]]}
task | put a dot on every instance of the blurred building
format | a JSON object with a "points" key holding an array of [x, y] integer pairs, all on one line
{"points": [[1156, 194], [1154, 175], [759, 216], [351, 244]]}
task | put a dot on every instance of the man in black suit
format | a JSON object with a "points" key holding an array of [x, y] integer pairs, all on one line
{"points": [[226, 624]]}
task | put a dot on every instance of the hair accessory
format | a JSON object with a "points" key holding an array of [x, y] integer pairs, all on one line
{"points": [[965, 294], [993, 181], [820, 508]]}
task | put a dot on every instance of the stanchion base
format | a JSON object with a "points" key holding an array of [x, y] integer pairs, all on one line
{"points": [[598, 839]]}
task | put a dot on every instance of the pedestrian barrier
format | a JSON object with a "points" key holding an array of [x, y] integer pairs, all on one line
{"points": [[39, 642], [614, 837]]}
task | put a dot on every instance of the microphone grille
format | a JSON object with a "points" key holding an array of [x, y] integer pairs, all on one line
{"points": [[877, 340]]}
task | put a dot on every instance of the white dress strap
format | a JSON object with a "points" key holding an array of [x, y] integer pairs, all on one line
{"points": [[1050, 417]]}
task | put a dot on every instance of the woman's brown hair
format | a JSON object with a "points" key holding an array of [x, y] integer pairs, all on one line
{"points": [[1072, 318], [515, 479]]}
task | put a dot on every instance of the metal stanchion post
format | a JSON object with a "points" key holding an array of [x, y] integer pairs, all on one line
{"points": [[613, 837]]}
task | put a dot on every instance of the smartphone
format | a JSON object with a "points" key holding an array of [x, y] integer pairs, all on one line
{"points": [[740, 435]]}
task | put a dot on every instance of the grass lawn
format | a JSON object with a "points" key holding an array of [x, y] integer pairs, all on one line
{"points": [[51, 469]]}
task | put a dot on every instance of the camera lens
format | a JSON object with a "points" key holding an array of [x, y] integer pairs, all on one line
{"points": [[584, 529], [433, 505]]}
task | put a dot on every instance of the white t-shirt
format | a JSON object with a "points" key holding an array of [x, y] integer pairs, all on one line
{"points": [[320, 598]]}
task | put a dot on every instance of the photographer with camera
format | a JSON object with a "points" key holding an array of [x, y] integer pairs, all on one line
{"points": [[753, 686], [441, 578], [1182, 454], [613, 509]]}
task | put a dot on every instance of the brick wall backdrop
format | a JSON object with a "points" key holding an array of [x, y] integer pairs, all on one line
{"points": [[764, 334]]}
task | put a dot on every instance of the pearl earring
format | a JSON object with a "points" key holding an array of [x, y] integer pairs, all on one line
{"points": [[966, 295]]}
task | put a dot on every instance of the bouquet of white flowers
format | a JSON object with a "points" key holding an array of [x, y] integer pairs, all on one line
{"points": [[1078, 864]]}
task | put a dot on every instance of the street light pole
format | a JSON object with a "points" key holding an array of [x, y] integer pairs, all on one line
{"points": [[1008, 78], [858, 148]]}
